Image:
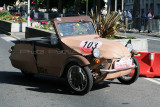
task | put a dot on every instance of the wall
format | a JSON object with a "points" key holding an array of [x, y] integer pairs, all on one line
{"points": [[35, 32]]}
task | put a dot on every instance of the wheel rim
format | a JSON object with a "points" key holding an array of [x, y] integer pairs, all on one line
{"points": [[77, 78]]}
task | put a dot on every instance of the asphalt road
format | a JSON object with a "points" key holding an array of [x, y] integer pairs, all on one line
{"points": [[42, 91]]}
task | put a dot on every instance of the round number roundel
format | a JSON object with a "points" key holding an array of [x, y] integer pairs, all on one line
{"points": [[88, 46]]}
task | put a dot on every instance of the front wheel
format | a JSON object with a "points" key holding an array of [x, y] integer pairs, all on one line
{"points": [[79, 78], [129, 79]]}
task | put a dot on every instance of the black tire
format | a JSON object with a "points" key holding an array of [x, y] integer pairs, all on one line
{"points": [[27, 74], [78, 77], [135, 75]]}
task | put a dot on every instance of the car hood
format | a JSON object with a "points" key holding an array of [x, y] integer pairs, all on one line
{"points": [[109, 48]]}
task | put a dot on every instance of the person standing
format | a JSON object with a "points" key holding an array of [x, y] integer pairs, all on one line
{"points": [[128, 19], [138, 20], [119, 11], [123, 19], [149, 17]]}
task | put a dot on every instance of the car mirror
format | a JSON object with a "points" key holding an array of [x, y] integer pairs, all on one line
{"points": [[54, 39]]}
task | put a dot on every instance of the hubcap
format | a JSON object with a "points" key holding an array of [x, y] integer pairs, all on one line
{"points": [[77, 78]]}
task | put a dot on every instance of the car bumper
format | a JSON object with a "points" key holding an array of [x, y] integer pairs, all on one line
{"points": [[117, 70]]}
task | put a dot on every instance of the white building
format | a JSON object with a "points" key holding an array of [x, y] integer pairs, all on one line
{"points": [[128, 5], [154, 5], [145, 5]]}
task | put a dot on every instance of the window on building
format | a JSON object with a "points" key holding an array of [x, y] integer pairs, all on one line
{"points": [[158, 8], [147, 8], [151, 7]]}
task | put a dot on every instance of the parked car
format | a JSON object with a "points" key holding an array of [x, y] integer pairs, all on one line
{"points": [[77, 53]]}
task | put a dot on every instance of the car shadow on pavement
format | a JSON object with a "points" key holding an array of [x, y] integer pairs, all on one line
{"points": [[44, 84]]}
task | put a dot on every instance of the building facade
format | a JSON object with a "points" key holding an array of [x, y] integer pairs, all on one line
{"points": [[154, 5], [128, 5], [145, 5]]}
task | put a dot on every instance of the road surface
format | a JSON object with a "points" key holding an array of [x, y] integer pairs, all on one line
{"points": [[42, 91]]}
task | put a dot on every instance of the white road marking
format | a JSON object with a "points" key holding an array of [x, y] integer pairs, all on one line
{"points": [[8, 39], [152, 80]]}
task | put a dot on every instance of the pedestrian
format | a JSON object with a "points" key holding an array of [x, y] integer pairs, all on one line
{"points": [[123, 15], [149, 17], [104, 11], [138, 20], [128, 19], [119, 11]]}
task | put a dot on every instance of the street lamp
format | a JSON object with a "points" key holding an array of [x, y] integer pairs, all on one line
{"points": [[86, 7], [28, 15]]}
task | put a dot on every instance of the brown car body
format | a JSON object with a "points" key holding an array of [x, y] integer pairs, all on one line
{"points": [[40, 57]]}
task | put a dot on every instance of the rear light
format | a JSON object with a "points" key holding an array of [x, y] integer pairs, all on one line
{"points": [[11, 50]]}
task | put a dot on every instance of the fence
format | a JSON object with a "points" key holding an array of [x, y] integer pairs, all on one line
{"points": [[155, 24]]}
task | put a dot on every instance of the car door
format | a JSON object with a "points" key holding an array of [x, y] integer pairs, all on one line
{"points": [[50, 58], [23, 57]]}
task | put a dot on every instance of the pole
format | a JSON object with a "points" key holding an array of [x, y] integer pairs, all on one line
{"points": [[28, 15], [115, 5], [86, 7], [122, 5]]}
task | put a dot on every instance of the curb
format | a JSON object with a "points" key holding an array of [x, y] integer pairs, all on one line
{"points": [[154, 34]]}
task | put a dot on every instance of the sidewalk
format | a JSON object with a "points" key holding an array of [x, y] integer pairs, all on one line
{"points": [[138, 34]]}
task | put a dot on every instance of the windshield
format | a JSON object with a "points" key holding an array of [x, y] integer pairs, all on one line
{"points": [[75, 28]]}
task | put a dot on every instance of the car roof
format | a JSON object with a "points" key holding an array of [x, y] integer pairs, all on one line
{"points": [[71, 19]]}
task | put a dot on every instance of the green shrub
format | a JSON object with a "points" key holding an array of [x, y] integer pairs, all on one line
{"points": [[46, 26], [4, 13]]}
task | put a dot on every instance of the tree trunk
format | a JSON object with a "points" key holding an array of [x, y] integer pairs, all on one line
{"points": [[60, 8], [48, 5], [77, 6], [36, 6], [136, 7]]}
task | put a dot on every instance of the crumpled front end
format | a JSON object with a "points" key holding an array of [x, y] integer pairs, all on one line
{"points": [[115, 58]]}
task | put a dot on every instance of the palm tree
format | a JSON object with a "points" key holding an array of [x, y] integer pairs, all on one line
{"points": [[48, 5]]}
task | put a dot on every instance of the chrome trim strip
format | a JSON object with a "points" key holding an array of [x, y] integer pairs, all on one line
{"points": [[116, 70]]}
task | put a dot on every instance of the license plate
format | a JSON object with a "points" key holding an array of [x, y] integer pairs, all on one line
{"points": [[123, 63]]}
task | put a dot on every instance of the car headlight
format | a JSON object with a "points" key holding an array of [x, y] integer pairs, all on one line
{"points": [[130, 47], [96, 52]]}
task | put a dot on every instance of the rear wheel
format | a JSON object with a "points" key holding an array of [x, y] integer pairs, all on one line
{"points": [[129, 79], [79, 78]]}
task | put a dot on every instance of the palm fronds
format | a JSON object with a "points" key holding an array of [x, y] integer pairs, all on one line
{"points": [[107, 25]]}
